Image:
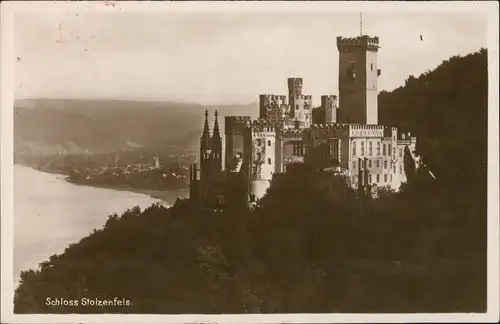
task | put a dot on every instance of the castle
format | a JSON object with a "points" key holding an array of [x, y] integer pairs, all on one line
{"points": [[341, 136]]}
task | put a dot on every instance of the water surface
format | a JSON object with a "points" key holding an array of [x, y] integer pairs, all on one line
{"points": [[50, 213]]}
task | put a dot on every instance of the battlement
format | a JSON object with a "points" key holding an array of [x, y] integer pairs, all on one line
{"points": [[362, 42], [356, 130], [329, 130], [293, 134], [264, 122], [236, 124], [237, 118], [329, 126], [366, 127], [390, 131], [357, 41], [328, 101], [268, 98], [295, 82]]}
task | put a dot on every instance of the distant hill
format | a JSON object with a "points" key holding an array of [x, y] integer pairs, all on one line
{"points": [[47, 126]]}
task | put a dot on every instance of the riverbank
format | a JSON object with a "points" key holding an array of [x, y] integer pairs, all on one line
{"points": [[165, 195], [46, 201]]}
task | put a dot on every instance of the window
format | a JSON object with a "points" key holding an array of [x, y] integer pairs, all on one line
{"points": [[351, 65], [259, 157], [384, 150], [370, 178], [389, 151], [400, 153], [269, 143], [354, 164], [296, 107], [369, 148], [369, 163], [385, 164], [391, 177], [252, 197], [269, 161], [371, 66], [378, 163], [259, 142], [394, 169], [378, 178], [362, 148], [400, 169], [394, 150], [385, 177], [354, 149]]}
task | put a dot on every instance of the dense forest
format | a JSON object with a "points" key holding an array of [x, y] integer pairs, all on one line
{"points": [[311, 244]]}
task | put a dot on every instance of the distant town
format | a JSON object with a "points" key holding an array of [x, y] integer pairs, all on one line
{"points": [[133, 170]]}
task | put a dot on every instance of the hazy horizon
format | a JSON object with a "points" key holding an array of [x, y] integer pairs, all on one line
{"points": [[221, 58]]}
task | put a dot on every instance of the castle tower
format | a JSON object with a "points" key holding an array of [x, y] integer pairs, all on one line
{"points": [[294, 94], [329, 105], [216, 146], [358, 75]]}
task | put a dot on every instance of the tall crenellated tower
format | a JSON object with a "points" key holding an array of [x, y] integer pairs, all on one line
{"points": [[358, 75]]}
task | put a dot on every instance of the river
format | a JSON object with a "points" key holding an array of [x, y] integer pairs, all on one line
{"points": [[50, 213]]}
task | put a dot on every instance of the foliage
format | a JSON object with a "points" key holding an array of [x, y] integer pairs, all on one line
{"points": [[447, 109], [311, 244]]}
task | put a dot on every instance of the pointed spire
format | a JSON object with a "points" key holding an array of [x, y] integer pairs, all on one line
{"points": [[205, 138], [216, 139]]}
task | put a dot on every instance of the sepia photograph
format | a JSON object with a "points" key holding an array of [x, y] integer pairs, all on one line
{"points": [[249, 162]]}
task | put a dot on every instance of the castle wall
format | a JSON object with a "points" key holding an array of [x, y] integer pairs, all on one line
{"points": [[294, 147], [263, 152], [234, 143]]}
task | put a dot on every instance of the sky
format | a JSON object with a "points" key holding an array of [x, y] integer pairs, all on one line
{"points": [[221, 58]]}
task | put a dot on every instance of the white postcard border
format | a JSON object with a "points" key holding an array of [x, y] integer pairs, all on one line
{"points": [[8, 10]]}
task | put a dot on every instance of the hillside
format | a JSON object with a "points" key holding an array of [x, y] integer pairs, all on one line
{"points": [[447, 109], [46, 126], [325, 250], [312, 245]]}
